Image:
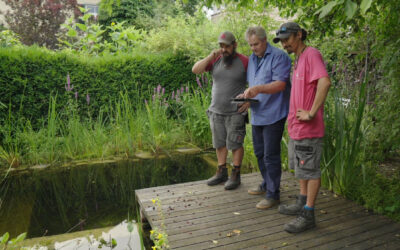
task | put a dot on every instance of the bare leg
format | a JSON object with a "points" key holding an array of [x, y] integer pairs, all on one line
{"points": [[222, 154], [303, 187], [312, 191], [238, 156]]}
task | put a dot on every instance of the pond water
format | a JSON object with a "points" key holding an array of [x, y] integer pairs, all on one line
{"points": [[65, 199]]}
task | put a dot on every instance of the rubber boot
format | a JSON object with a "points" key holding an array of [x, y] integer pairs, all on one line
{"points": [[234, 179], [220, 176]]}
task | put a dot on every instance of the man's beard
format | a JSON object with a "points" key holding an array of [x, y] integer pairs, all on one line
{"points": [[228, 60]]}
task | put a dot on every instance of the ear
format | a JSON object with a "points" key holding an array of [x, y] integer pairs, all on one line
{"points": [[299, 34]]}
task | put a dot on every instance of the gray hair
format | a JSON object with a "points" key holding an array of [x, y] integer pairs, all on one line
{"points": [[256, 30]]}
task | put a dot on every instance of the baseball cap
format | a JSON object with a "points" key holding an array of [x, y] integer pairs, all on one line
{"points": [[226, 37], [286, 30]]}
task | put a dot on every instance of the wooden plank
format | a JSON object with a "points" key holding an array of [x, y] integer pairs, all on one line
{"points": [[334, 235], [146, 195], [197, 216], [379, 228], [203, 203], [255, 236], [194, 204]]}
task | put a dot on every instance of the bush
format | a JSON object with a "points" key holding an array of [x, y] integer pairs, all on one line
{"points": [[28, 76]]}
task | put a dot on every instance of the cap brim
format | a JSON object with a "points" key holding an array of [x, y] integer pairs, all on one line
{"points": [[281, 36], [224, 41]]}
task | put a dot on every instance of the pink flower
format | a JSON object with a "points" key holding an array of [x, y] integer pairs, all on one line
{"points": [[68, 85], [198, 82], [158, 89]]}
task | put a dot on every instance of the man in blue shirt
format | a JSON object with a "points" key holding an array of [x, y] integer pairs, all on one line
{"points": [[268, 75]]}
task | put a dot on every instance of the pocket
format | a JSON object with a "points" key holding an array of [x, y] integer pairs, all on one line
{"points": [[237, 136], [305, 156], [238, 122]]}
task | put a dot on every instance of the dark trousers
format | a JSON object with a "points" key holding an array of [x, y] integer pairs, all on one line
{"points": [[267, 148]]}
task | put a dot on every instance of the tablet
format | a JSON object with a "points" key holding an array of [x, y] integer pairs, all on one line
{"points": [[245, 100]]}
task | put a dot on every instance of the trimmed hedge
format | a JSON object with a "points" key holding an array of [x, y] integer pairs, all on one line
{"points": [[29, 76]]}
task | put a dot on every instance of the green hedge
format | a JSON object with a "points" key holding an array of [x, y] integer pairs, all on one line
{"points": [[28, 76]]}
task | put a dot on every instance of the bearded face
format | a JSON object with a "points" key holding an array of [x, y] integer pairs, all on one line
{"points": [[228, 53]]}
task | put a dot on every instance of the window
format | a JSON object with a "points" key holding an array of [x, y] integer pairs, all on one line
{"points": [[92, 9]]}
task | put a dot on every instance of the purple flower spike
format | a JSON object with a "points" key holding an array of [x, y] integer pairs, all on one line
{"points": [[163, 91], [173, 94], [198, 82], [158, 89], [187, 89], [87, 99], [68, 85], [76, 95], [182, 90], [145, 101], [333, 69]]}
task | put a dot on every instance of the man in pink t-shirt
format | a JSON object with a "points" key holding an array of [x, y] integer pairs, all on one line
{"points": [[310, 85]]}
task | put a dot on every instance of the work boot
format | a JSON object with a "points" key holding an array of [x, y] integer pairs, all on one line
{"points": [[219, 177], [294, 209], [267, 203], [305, 220], [234, 180], [256, 191]]}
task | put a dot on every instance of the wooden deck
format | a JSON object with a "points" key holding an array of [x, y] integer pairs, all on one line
{"points": [[197, 216]]}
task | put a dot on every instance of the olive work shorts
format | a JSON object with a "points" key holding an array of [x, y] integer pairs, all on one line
{"points": [[227, 130], [305, 158]]}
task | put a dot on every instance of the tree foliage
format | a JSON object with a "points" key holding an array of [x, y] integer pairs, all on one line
{"points": [[38, 21], [128, 11]]}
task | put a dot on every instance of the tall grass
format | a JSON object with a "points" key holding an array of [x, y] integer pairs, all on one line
{"points": [[342, 165], [128, 125]]}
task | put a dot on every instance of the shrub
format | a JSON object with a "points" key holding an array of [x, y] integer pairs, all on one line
{"points": [[28, 76]]}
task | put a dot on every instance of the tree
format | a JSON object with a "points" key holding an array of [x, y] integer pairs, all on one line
{"points": [[38, 21], [126, 10]]}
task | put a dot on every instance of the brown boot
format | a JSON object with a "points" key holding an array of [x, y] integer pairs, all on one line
{"points": [[234, 180], [219, 177]]}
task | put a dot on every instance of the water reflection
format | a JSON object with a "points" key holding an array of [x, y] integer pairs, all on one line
{"points": [[60, 200], [119, 235]]}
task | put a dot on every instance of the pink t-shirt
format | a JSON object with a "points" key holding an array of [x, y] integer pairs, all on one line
{"points": [[310, 68]]}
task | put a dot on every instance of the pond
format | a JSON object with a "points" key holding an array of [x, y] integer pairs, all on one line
{"points": [[58, 200]]}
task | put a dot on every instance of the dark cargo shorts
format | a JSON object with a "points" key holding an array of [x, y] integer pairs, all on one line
{"points": [[227, 130], [305, 158]]}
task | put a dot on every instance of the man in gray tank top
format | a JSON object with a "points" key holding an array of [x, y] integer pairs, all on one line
{"points": [[228, 69]]}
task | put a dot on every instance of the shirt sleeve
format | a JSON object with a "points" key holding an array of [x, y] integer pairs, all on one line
{"points": [[316, 66], [281, 68], [211, 64]]}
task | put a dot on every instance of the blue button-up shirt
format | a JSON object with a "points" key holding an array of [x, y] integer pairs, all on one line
{"points": [[274, 66]]}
